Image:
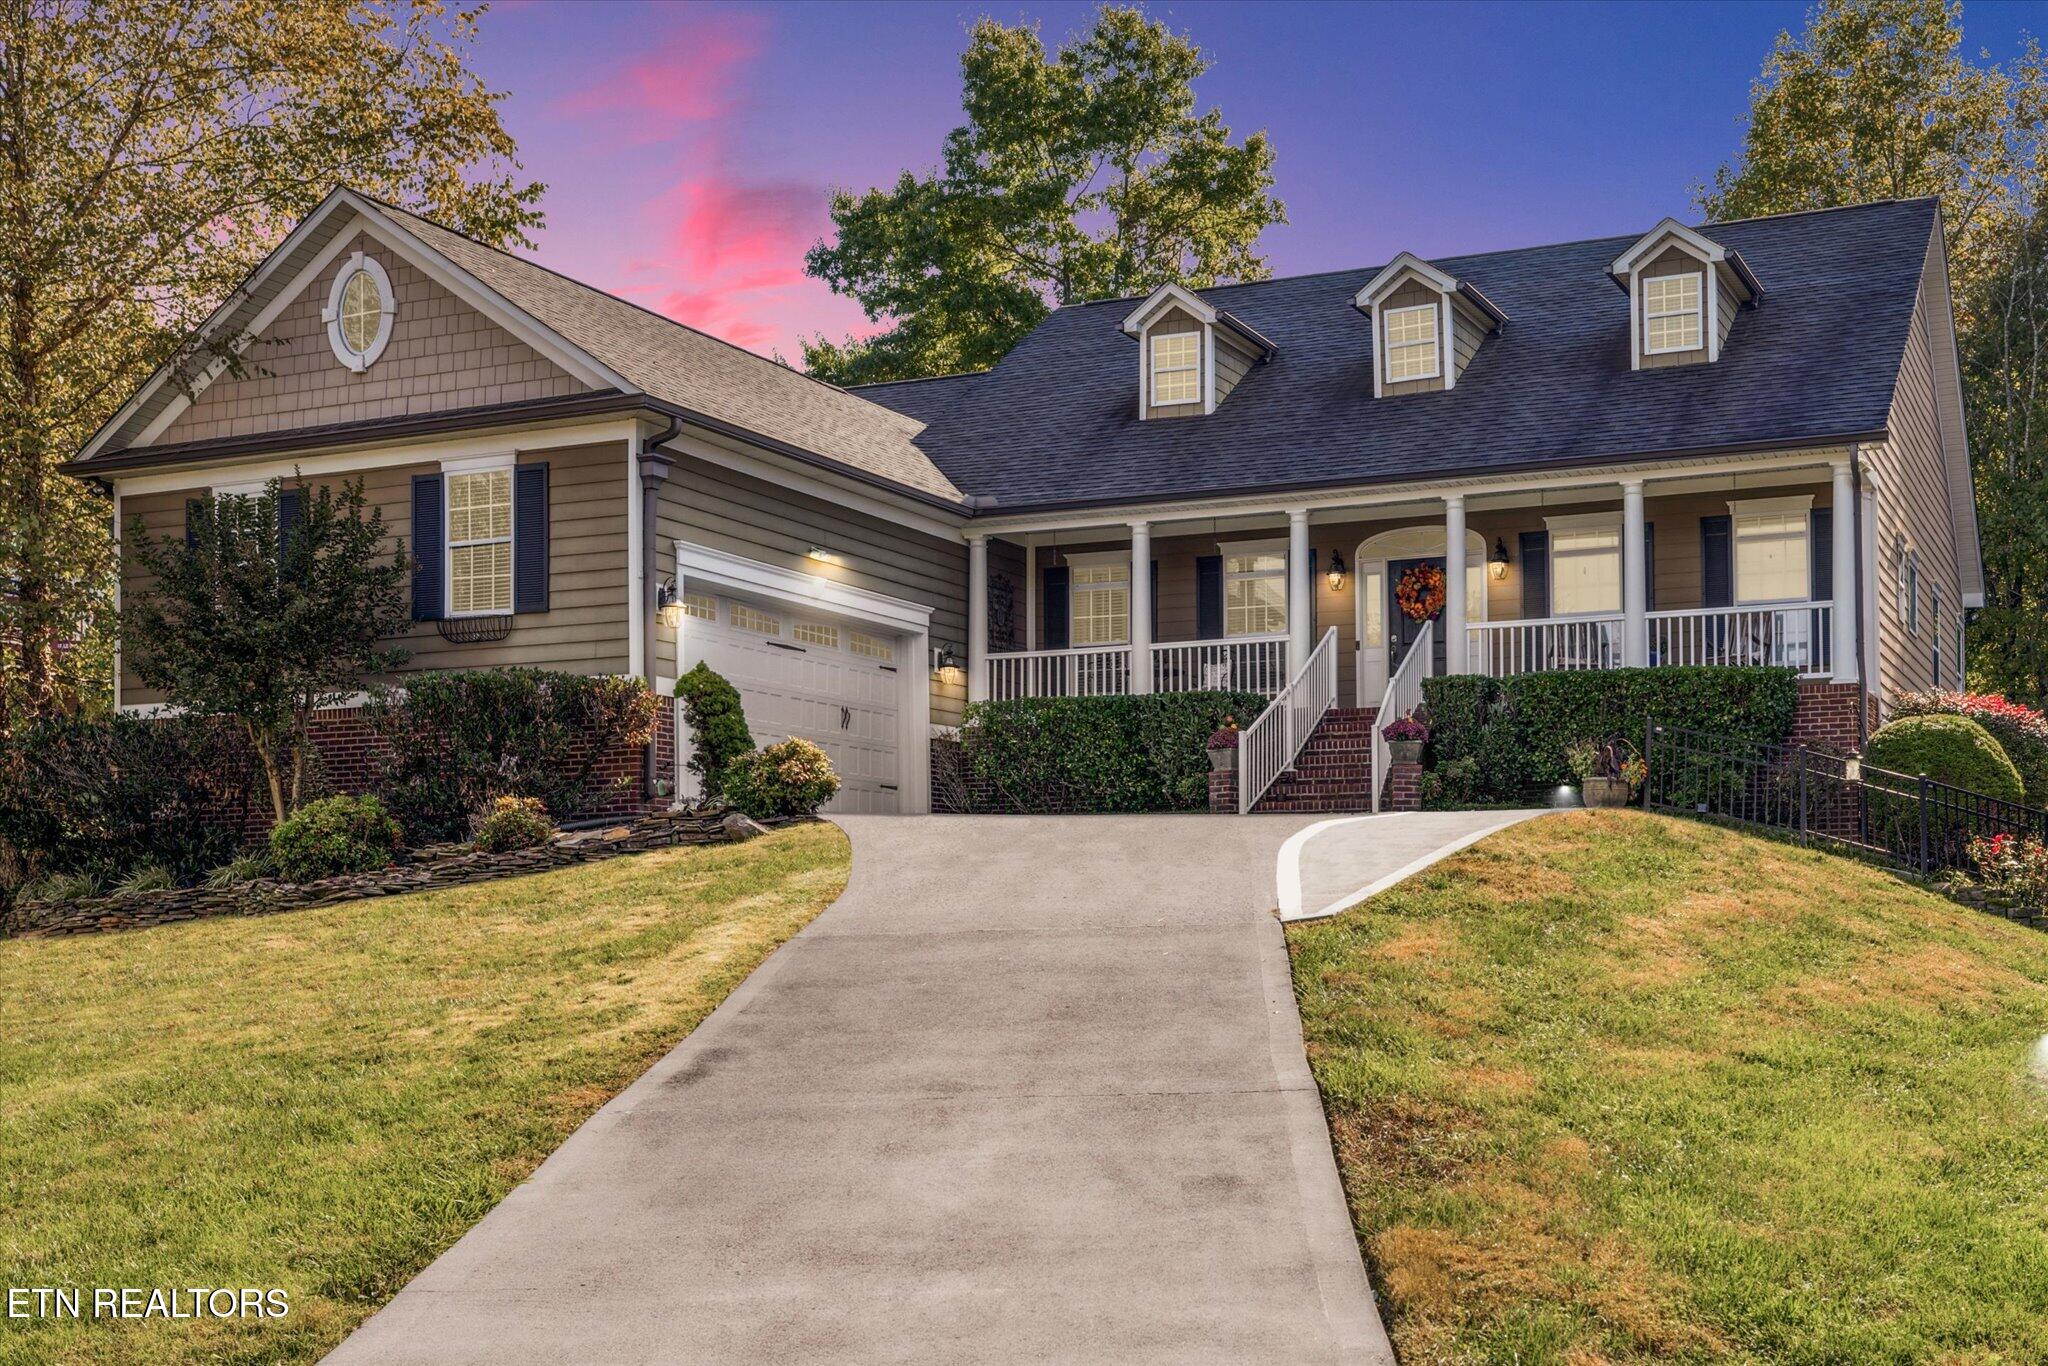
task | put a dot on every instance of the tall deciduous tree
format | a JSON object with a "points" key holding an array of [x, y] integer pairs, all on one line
{"points": [[151, 152], [263, 618], [1875, 100], [1079, 174]]}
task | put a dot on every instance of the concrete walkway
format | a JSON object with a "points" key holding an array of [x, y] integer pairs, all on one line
{"points": [[1033, 1090], [1331, 865]]}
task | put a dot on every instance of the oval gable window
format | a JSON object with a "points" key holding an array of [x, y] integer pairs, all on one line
{"points": [[359, 312]]}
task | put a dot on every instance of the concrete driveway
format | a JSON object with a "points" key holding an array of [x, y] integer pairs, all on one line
{"points": [[1033, 1090]]}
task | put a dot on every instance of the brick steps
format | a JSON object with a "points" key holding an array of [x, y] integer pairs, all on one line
{"points": [[1333, 772]]}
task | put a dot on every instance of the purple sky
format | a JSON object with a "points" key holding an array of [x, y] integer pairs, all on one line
{"points": [[689, 149]]}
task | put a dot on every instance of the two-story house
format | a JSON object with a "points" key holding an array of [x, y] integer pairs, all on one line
{"points": [[1730, 443]]}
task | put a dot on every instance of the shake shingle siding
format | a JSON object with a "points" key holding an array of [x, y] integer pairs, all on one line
{"points": [[1056, 423]]}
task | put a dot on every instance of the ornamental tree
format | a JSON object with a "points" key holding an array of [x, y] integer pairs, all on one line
{"points": [[264, 619]]}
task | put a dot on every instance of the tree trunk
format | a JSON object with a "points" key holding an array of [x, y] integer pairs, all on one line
{"points": [[267, 754]]}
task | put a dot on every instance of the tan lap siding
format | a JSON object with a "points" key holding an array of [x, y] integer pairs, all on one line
{"points": [[712, 507], [584, 628], [1913, 500]]}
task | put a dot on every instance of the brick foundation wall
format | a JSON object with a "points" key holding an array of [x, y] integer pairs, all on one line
{"points": [[1223, 792], [1826, 718]]}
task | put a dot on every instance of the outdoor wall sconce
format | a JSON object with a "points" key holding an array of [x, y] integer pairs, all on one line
{"points": [[1336, 570], [668, 604], [946, 664], [1497, 562], [821, 555]]}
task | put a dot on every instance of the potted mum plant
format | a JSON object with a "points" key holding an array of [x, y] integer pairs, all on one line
{"points": [[1609, 772], [1405, 738], [1223, 746]]}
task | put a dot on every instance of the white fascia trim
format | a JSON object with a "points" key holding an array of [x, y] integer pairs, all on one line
{"points": [[271, 264], [1158, 299], [1381, 284], [699, 564], [1707, 250], [371, 456]]}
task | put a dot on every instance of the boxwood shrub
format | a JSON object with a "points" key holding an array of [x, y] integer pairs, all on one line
{"points": [[1949, 749], [1096, 754], [1517, 728]]}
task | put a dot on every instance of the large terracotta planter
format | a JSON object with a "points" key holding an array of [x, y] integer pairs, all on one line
{"points": [[1223, 760], [1605, 792], [1405, 751]]}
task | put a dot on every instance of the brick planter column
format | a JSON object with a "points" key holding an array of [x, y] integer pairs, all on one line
{"points": [[1223, 792], [1404, 787]]}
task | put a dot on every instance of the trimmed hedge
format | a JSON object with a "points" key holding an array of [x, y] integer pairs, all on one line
{"points": [[332, 836], [1516, 728], [1949, 749], [2021, 731], [1096, 754]]}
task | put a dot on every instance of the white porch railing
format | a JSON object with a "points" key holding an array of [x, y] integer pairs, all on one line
{"points": [[1403, 695], [1097, 671], [1241, 663], [1796, 635], [1500, 648], [1267, 747]]}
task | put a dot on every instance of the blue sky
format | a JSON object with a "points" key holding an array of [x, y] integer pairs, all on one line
{"points": [[689, 149]]}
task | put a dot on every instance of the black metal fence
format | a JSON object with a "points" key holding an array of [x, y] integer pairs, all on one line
{"points": [[1813, 794]]}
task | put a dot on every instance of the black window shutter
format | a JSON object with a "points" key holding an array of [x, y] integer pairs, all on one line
{"points": [[291, 506], [1820, 554], [1717, 565], [1052, 633], [191, 522], [1209, 597], [530, 538], [429, 547], [1535, 575], [1649, 566]]}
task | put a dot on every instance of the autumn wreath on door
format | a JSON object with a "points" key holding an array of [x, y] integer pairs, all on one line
{"points": [[1420, 592]]}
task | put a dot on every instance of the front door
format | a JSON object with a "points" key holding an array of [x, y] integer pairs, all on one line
{"points": [[1402, 629]]}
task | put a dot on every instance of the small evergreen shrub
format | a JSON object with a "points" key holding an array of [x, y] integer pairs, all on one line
{"points": [[461, 740], [1096, 754], [513, 823], [149, 877], [1949, 749], [793, 778], [333, 836], [241, 868], [2021, 731], [718, 727]]}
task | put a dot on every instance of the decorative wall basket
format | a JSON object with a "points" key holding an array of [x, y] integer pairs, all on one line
{"points": [[474, 630]]}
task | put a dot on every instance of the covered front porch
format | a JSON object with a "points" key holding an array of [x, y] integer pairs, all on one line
{"points": [[1697, 564]]}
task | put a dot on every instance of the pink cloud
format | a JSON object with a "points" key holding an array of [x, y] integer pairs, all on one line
{"points": [[690, 75]]}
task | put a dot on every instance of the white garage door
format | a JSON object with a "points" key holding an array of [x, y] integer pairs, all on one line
{"points": [[831, 683]]}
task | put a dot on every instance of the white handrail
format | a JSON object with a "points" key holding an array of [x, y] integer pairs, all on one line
{"points": [[1243, 663], [1093, 671], [1268, 746], [1795, 635], [1403, 695]]}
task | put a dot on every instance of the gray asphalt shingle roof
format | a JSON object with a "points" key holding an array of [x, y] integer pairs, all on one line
{"points": [[1056, 421]]}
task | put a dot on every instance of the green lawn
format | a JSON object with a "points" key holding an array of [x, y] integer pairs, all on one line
{"points": [[1612, 1086], [325, 1100]]}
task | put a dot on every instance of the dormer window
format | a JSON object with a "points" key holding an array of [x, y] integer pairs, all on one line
{"points": [[1191, 354], [1427, 326], [1683, 293], [1176, 368], [1411, 336], [1671, 313]]}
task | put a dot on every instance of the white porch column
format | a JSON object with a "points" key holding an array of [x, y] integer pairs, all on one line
{"points": [[977, 618], [1141, 607], [1635, 583], [1846, 609], [1454, 583], [1866, 529], [1301, 593]]}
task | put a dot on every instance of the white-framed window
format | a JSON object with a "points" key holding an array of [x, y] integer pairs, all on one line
{"points": [[1254, 588], [1176, 368], [1673, 317], [359, 312], [702, 606], [1773, 549], [1410, 342], [1934, 621], [1372, 599], [479, 541], [1585, 564], [821, 634], [1098, 599], [1913, 591], [753, 619]]}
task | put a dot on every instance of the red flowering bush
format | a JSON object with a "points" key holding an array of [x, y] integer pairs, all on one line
{"points": [[2012, 866], [2021, 731]]}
